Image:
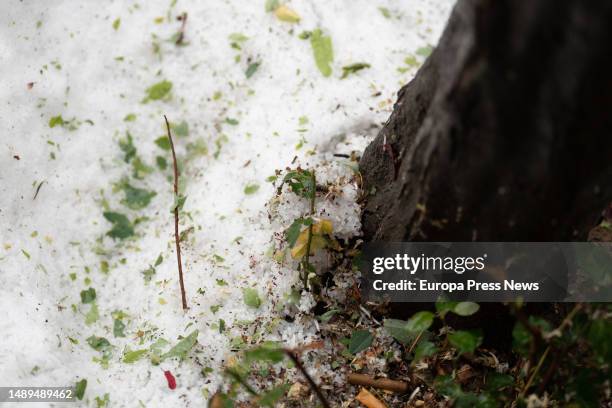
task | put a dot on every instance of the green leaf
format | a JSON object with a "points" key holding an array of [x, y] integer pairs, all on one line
{"points": [[181, 129], [271, 5], [158, 91], [116, 24], [122, 227], [521, 337], [584, 386], [133, 356], [293, 232], [385, 12], [252, 68], [424, 51], [323, 51], [444, 306], [466, 308], [465, 341], [159, 260], [269, 398], [301, 182], [497, 381], [79, 389], [411, 61], [88, 296], [148, 274], [118, 328], [600, 335], [237, 38], [251, 189], [398, 329], [420, 321], [231, 121], [351, 69], [102, 402], [179, 202], [251, 298], [139, 168], [304, 35], [136, 198], [93, 315], [182, 347], [267, 351], [425, 348], [326, 317], [163, 143], [98, 343], [221, 282], [127, 147], [471, 400], [221, 325], [161, 162], [130, 117], [360, 340], [445, 385], [56, 121]]}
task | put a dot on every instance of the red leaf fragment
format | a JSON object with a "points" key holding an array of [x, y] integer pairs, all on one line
{"points": [[171, 380]]}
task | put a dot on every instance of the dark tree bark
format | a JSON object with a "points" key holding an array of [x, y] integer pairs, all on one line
{"points": [[504, 134]]}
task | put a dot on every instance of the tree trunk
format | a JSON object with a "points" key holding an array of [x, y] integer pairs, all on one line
{"points": [[504, 134]]}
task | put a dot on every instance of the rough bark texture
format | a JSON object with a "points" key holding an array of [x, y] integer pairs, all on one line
{"points": [[505, 133]]}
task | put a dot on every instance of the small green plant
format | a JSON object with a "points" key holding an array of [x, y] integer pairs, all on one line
{"points": [[306, 234], [302, 183]]}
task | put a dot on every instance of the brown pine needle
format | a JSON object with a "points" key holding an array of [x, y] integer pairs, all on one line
{"points": [[176, 218]]}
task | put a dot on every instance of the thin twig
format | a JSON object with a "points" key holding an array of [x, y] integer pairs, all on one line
{"points": [[306, 262], [535, 372], [313, 385], [556, 352], [536, 334], [548, 374], [38, 189], [566, 322], [181, 34], [238, 378], [414, 343], [176, 218]]}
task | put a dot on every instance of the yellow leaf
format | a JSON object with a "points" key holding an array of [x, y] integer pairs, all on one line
{"points": [[318, 242], [319, 230], [298, 251], [284, 13], [323, 227]]}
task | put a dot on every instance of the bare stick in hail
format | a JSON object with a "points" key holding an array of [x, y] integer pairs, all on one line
{"points": [[176, 217]]}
